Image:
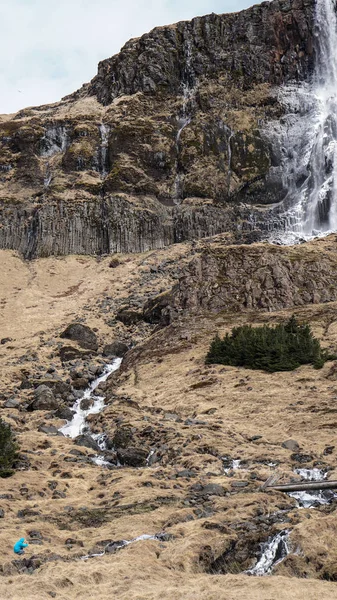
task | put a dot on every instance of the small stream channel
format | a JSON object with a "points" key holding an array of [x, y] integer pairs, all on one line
{"points": [[312, 498], [78, 424]]}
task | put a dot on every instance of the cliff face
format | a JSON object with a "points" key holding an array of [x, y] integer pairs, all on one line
{"points": [[177, 117]]}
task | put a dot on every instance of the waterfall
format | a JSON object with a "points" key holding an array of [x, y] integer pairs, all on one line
{"points": [[272, 553], [54, 140], [307, 137], [104, 133], [189, 85]]}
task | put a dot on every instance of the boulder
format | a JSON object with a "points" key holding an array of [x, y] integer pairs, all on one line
{"points": [[44, 399], [86, 403], [68, 353], [81, 383], [82, 334], [87, 441], [122, 438], [291, 445], [129, 317], [64, 412], [48, 429], [116, 348], [12, 403], [132, 457]]}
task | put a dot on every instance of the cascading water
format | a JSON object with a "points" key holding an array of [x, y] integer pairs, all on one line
{"points": [[104, 133], [54, 140], [78, 425], [189, 86], [307, 136], [312, 498], [272, 553]]}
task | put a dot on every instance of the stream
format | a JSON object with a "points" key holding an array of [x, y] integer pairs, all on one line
{"points": [[272, 553], [312, 498], [78, 424], [112, 547]]}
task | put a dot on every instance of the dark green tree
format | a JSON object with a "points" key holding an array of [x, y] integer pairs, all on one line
{"points": [[8, 450], [281, 348]]}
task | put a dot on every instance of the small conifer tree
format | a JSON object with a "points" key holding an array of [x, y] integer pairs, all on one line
{"points": [[281, 348], [8, 450]]}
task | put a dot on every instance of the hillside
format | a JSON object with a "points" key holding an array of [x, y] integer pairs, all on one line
{"points": [[191, 421]]}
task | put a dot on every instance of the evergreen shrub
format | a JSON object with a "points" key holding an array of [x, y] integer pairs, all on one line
{"points": [[281, 348], [8, 450]]}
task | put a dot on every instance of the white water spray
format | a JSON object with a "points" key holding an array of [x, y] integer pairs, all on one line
{"points": [[104, 133], [76, 426], [312, 498], [308, 138], [272, 553]]}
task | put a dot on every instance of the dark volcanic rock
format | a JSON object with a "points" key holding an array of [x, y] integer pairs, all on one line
{"points": [[291, 445], [116, 348], [87, 441], [64, 412], [122, 438], [129, 317], [44, 399], [132, 457], [161, 59], [231, 66], [82, 334], [68, 353]]}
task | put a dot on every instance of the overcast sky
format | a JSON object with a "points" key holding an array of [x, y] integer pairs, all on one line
{"points": [[49, 48]]}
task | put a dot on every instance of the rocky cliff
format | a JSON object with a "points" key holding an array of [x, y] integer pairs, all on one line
{"points": [[179, 117], [222, 278]]}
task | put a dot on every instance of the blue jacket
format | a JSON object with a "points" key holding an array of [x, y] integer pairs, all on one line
{"points": [[20, 545]]}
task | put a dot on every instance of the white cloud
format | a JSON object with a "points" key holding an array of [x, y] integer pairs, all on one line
{"points": [[49, 48]]}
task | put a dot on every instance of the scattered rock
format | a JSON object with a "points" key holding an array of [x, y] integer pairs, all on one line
{"points": [[113, 547], [82, 334], [291, 445], [86, 403], [133, 457], [48, 429], [211, 489], [44, 399], [122, 438], [81, 383], [116, 348], [2, 513], [68, 353], [74, 542], [87, 441], [129, 317], [12, 403], [302, 458], [239, 484], [64, 412], [5, 340]]}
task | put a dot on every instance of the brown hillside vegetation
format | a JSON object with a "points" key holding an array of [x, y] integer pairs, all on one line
{"points": [[191, 420]]}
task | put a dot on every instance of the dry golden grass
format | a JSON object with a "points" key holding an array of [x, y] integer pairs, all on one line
{"points": [[234, 406]]}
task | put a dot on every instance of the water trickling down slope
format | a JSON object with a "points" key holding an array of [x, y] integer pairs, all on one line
{"points": [[312, 498], [272, 553], [307, 137], [77, 425]]}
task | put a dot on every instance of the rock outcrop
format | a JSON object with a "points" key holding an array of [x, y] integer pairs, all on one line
{"points": [[257, 277], [179, 117]]}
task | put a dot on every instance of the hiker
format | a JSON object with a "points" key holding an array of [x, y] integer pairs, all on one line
{"points": [[19, 546]]}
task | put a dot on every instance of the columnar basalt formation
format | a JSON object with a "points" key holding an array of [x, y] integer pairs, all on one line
{"points": [[178, 117]]}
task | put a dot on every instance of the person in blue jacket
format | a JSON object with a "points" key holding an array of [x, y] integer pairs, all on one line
{"points": [[19, 546]]}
